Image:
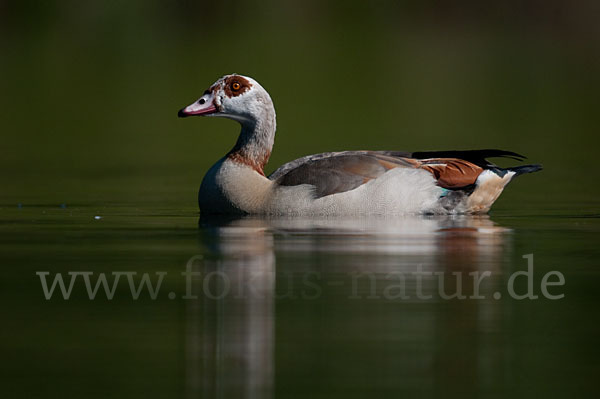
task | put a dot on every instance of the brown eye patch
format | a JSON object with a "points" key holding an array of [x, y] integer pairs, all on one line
{"points": [[236, 85]]}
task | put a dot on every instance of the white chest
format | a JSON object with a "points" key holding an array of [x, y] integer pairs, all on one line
{"points": [[232, 187]]}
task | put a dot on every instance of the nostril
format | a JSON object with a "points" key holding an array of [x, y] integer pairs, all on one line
{"points": [[201, 101]]}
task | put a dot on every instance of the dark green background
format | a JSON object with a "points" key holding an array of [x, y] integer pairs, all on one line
{"points": [[90, 92]]}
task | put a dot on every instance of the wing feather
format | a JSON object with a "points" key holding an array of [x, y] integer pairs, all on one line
{"points": [[336, 172]]}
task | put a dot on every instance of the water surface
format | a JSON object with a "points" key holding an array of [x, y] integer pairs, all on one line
{"points": [[296, 307]]}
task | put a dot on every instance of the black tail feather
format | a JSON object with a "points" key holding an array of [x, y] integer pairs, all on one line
{"points": [[520, 170], [478, 157]]}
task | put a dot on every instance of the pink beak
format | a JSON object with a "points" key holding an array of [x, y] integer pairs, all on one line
{"points": [[204, 106]]}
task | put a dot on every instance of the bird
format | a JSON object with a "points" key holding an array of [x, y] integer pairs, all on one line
{"points": [[337, 183]]}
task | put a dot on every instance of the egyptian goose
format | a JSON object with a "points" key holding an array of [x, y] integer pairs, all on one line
{"points": [[337, 183]]}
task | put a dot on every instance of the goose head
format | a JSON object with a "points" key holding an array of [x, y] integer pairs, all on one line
{"points": [[236, 97]]}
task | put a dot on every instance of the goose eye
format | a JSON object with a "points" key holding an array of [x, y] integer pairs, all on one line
{"points": [[236, 86]]}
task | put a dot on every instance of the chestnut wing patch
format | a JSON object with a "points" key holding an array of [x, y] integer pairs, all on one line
{"points": [[452, 173]]}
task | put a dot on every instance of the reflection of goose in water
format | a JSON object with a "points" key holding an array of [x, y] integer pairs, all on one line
{"points": [[373, 234], [231, 339]]}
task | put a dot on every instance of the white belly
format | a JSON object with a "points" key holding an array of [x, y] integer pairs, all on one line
{"points": [[397, 192]]}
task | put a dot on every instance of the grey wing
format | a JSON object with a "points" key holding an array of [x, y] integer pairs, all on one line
{"points": [[337, 172]]}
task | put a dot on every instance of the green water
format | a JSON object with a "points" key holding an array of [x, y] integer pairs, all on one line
{"points": [[99, 176], [295, 308]]}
